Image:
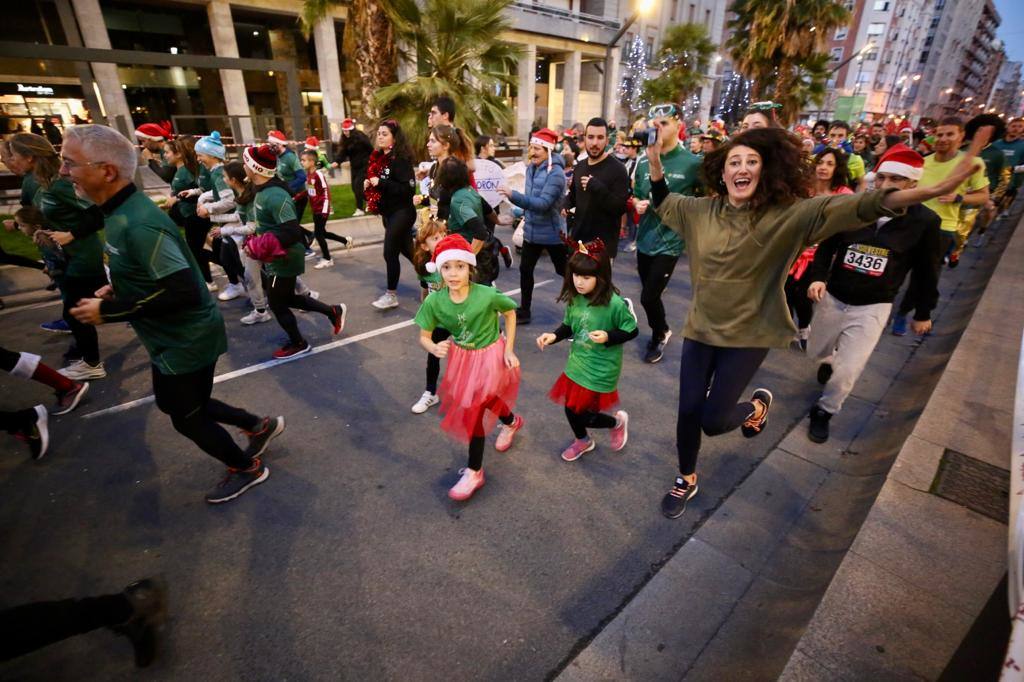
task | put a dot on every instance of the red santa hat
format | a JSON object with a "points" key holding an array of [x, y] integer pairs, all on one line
{"points": [[545, 137], [276, 137], [312, 143], [903, 161], [348, 124], [157, 132], [452, 247], [260, 160]]}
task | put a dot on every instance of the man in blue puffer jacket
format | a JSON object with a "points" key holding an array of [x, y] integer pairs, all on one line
{"points": [[542, 201]]}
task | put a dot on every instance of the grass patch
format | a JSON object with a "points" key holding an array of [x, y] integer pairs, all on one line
{"points": [[16, 243], [343, 202]]}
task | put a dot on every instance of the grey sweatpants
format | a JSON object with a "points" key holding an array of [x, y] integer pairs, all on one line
{"points": [[844, 335]]}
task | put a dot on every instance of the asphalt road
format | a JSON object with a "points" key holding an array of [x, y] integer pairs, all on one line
{"points": [[351, 562]]}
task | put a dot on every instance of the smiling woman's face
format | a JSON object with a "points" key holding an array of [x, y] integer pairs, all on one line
{"points": [[741, 173]]}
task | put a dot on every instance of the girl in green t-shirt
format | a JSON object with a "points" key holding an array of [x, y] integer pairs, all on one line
{"points": [[599, 322], [482, 381], [430, 232]]}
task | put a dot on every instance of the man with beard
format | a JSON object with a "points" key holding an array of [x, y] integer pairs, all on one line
{"points": [[599, 190]]}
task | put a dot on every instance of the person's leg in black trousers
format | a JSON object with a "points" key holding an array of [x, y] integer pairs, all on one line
{"points": [[655, 273], [322, 235], [22, 261], [196, 229], [579, 422], [137, 613], [398, 242], [527, 264], [434, 362], [74, 289], [559, 257], [231, 260], [300, 210], [281, 298], [358, 176]]}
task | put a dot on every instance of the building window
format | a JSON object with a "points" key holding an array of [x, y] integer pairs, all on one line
{"points": [[841, 33], [837, 54], [881, 5], [876, 29]]}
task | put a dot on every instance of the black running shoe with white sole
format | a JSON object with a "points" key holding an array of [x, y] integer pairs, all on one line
{"points": [[237, 482], [656, 349], [270, 428], [753, 427], [674, 503]]}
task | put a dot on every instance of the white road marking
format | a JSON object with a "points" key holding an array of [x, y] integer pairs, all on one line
{"points": [[259, 367]]}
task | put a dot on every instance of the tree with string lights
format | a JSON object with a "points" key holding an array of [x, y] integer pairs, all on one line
{"points": [[683, 60], [634, 74]]}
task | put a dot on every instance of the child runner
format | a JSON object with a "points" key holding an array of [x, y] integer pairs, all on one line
{"points": [[218, 201], [599, 321], [291, 173], [276, 223], [482, 381], [428, 235], [233, 228], [318, 193]]}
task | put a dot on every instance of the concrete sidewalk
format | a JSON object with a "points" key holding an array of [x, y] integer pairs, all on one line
{"points": [[734, 600]]}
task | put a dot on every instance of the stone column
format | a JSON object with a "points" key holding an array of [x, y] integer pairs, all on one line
{"points": [[112, 99], [236, 101], [526, 92], [571, 87], [611, 72], [329, 69]]}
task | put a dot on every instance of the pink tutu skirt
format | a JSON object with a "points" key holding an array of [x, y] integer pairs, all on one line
{"points": [[476, 389], [579, 399]]}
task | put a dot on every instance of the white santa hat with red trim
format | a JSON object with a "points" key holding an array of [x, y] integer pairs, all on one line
{"points": [[546, 138], [452, 247], [903, 161], [276, 137], [260, 160]]}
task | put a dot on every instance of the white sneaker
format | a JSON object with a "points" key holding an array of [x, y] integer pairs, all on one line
{"points": [[358, 213], [310, 254], [212, 286], [426, 401], [349, 242], [231, 292], [255, 317], [80, 370], [386, 301], [322, 263], [470, 482]]}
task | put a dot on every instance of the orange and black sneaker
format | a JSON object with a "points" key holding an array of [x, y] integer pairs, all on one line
{"points": [[674, 503], [237, 482], [755, 425]]}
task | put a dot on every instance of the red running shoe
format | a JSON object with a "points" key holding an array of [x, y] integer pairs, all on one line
{"points": [[291, 350]]}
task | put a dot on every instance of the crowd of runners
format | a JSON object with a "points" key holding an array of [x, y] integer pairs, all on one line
{"points": [[795, 238]]}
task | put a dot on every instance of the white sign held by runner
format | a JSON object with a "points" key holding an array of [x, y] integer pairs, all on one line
{"points": [[489, 177]]}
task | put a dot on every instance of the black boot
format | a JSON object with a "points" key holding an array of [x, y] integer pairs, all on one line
{"points": [[148, 599], [817, 431]]}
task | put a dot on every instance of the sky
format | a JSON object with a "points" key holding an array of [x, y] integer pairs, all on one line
{"points": [[1011, 31]]}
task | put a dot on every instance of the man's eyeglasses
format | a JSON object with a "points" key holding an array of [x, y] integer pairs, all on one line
{"points": [[662, 110], [71, 164]]}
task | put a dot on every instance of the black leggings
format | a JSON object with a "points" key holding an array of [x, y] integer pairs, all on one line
{"points": [[196, 229], [198, 417], [358, 175], [322, 235], [14, 259], [434, 362], [281, 298], [726, 372], [796, 299], [231, 260], [476, 443], [32, 626], [580, 421], [86, 339], [528, 262], [655, 273], [397, 241]]}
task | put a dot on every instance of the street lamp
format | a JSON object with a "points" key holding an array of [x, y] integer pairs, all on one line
{"points": [[643, 8]]}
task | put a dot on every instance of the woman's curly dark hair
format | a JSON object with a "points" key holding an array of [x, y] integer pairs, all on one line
{"points": [[785, 174], [841, 176]]}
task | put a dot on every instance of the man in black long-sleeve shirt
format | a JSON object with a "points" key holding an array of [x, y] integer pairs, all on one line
{"points": [[854, 279], [599, 190], [355, 147], [156, 284]]}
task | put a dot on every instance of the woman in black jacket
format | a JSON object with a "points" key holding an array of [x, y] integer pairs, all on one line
{"points": [[390, 185]]}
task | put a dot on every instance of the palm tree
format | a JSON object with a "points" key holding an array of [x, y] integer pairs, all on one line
{"points": [[370, 30], [779, 44], [684, 58], [456, 54]]}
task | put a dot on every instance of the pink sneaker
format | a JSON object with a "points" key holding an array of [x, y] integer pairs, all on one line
{"points": [[620, 432], [470, 482], [578, 448], [504, 441]]}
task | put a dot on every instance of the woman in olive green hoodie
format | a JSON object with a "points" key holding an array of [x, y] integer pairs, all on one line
{"points": [[741, 243]]}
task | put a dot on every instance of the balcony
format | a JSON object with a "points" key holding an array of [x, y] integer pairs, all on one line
{"points": [[562, 23]]}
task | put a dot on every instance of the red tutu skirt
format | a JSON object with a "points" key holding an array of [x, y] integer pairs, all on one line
{"points": [[578, 399], [476, 389]]}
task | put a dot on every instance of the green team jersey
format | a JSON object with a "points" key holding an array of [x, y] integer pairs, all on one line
{"points": [[473, 323], [144, 246], [29, 187], [995, 162], [271, 207], [205, 181], [1014, 153], [466, 204], [681, 173], [433, 281], [63, 210], [288, 166], [596, 366], [182, 180]]}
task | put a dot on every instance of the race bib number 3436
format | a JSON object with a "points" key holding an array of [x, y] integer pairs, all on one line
{"points": [[869, 260]]}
